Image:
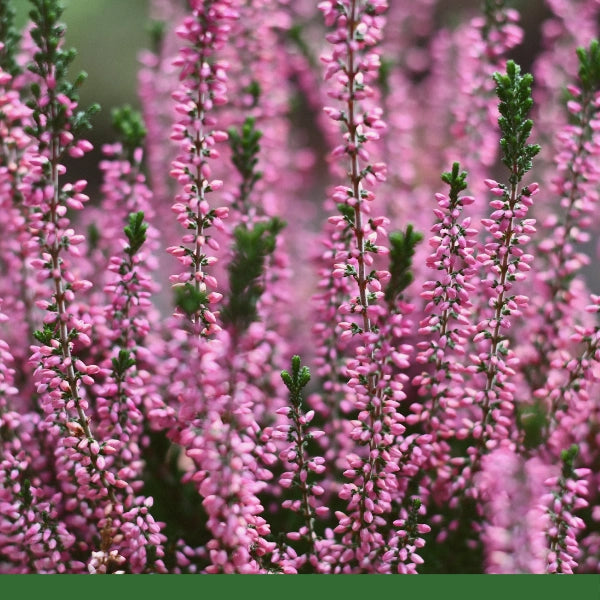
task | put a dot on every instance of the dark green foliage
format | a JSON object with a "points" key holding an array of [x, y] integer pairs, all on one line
{"points": [[130, 127], [44, 335], [47, 33], [295, 381], [254, 89], [156, 30], [532, 422], [413, 520], [589, 66], [402, 250], [514, 92], [9, 36], [495, 16], [295, 35], [245, 148], [385, 69], [177, 504], [25, 493], [252, 243], [122, 363], [189, 299], [82, 119], [252, 246], [135, 232], [348, 213], [490, 8], [461, 551], [568, 457], [93, 236], [457, 181]]}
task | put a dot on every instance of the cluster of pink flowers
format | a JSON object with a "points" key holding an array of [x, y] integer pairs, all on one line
{"points": [[277, 201]]}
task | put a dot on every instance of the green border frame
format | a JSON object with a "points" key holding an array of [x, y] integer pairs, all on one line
{"points": [[440, 587]]}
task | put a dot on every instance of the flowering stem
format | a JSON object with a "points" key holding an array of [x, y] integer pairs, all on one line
{"points": [[577, 193], [298, 438], [453, 256], [568, 494], [509, 229], [202, 87], [355, 178]]}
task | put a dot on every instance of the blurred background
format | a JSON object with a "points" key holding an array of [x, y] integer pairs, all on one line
{"points": [[108, 34]]}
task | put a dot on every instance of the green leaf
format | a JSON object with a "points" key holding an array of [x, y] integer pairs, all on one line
{"points": [[245, 148], [532, 421], [287, 379], [189, 299], [254, 89], [495, 17], [348, 213], [514, 93], [52, 58], [93, 236], [457, 181], [252, 246], [568, 457], [45, 335], [25, 493], [402, 250], [122, 362], [303, 377], [130, 127], [589, 66], [156, 30], [295, 34], [296, 381], [135, 232], [295, 366], [385, 70], [9, 36]]}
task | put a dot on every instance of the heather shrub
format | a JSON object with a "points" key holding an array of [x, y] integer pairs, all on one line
{"points": [[330, 308]]}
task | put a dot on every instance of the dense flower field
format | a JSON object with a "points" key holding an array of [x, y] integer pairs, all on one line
{"points": [[331, 309]]}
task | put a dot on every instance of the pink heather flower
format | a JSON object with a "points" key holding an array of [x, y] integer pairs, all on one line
{"points": [[123, 324], [448, 306], [568, 493], [403, 548], [17, 244], [447, 330], [571, 407], [124, 191], [120, 396], [373, 388], [220, 436], [202, 87], [505, 263], [569, 24], [439, 406], [157, 79], [90, 489], [29, 541], [497, 360], [303, 473], [514, 533], [331, 346], [483, 44], [562, 300]]}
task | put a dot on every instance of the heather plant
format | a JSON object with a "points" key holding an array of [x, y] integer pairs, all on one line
{"points": [[330, 308]]}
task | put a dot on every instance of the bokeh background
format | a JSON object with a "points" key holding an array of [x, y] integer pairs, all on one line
{"points": [[108, 35]]}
